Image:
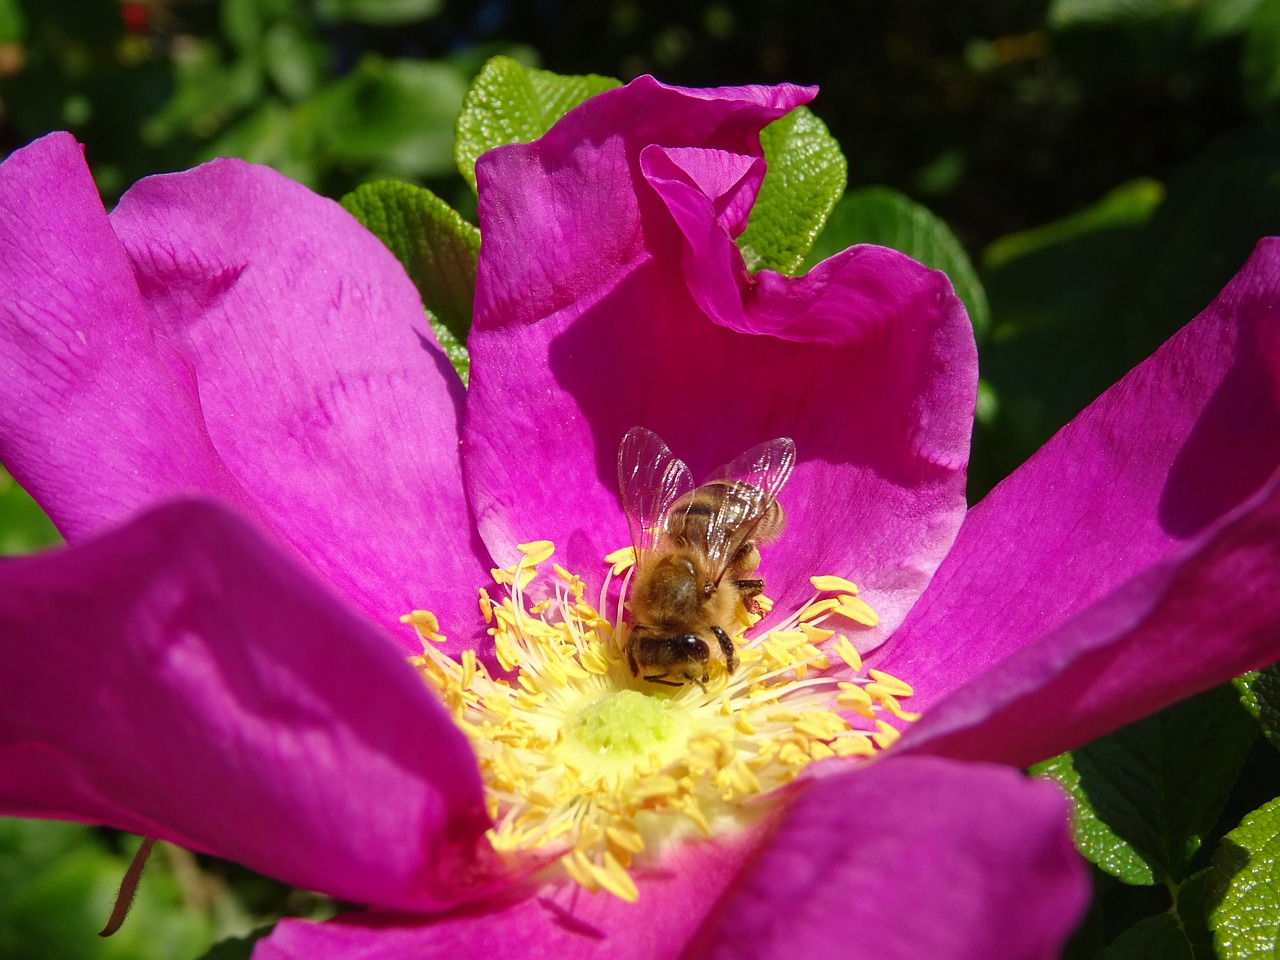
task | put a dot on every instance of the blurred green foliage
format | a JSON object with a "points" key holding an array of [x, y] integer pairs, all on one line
{"points": [[23, 525], [57, 884], [1089, 173], [155, 86]]}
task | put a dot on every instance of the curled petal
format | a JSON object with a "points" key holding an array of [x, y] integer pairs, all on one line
{"points": [[868, 362], [181, 679], [563, 217]]}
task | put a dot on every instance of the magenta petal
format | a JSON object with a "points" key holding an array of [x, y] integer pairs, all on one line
{"points": [[562, 216], [97, 416], [882, 356], [180, 678], [563, 923], [568, 229], [1205, 613], [868, 362], [1181, 440], [242, 338], [906, 859]]}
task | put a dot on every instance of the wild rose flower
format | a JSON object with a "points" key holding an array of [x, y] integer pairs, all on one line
{"points": [[226, 396]]}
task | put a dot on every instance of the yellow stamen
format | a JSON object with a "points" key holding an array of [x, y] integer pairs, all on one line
{"points": [[815, 610], [593, 768], [858, 610], [621, 560], [830, 584], [426, 625], [899, 688], [886, 734], [816, 634], [537, 551], [847, 652]]}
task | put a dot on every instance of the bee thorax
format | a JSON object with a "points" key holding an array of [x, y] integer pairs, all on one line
{"points": [[669, 591]]}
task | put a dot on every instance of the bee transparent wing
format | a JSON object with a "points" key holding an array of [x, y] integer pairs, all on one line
{"points": [[755, 479], [767, 466], [650, 478]]}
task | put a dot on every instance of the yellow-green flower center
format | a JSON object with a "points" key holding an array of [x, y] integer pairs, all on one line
{"points": [[590, 767], [622, 726]]}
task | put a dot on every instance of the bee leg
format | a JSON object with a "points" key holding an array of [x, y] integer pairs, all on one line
{"points": [[748, 590], [746, 559], [662, 678], [727, 648]]}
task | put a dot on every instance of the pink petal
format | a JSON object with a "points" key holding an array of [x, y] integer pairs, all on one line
{"points": [[909, 859], [563, 922], [258, 345], [905, 859], [1181, 440], [562, 216], [868, 362], [97, 415], [180, 678], [1206, 612]]}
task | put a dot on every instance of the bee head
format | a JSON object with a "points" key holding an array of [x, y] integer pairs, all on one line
{"points": [[691, 647]]}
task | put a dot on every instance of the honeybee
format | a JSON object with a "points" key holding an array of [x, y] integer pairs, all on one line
{"points": [[696, 551]]}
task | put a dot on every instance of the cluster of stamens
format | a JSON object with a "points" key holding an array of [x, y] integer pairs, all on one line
{"points": [[586, 765]]}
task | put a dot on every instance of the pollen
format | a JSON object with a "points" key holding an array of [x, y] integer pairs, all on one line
{"points": [[592, 772]]}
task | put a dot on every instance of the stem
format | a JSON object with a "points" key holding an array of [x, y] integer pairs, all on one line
{"points": [[128, 887]]}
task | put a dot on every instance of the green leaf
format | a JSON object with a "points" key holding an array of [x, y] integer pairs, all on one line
{"points": [[1057, 339], [244, 21], [383, 119], [267, 134], [381, 13], [1215, 210], [1260, 695], [1153, 938], [23, 525], [439, 251], [1244, 888], [884, 216], [454, 349], [1260, 64], [207, 95], [13, 22], [1179, 933], [1191, 911], [1079, 258], [1204, 22], [806, 176], [438, 248], [293, 60], [1225, 18], [1068, 13], [1147, 794], [391, 117], [511, 103], [1094, 838], [1078, 302]]}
